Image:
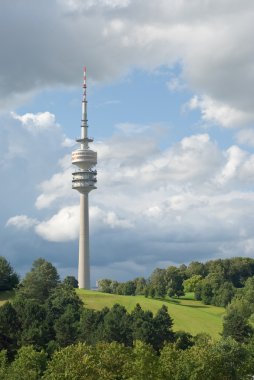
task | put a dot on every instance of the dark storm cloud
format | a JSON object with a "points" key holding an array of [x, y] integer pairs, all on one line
{"points": [[44, 44]]}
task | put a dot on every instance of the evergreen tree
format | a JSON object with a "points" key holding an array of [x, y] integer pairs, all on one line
{"points": [[91, 325], [64, 309], [33, 319], [8, 278], [163, 332], [117, 326], [9, 328], [183, 340], [142, 323], [71, 281], [40, 281]]}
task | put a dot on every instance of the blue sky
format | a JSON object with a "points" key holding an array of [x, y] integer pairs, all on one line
{"points": [[170, 106]]}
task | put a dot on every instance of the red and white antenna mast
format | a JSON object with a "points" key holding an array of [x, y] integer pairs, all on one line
{"points": [[84, 84], [84, 109]]}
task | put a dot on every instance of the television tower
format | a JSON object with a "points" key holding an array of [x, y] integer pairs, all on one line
{"points": [[84, 181]]}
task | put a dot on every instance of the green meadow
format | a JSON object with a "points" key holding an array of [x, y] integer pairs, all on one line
{"points": [[188, 315]]}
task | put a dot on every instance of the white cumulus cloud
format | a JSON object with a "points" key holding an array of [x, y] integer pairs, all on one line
{"points": [[215, 112], [37, 122], [21, 222], [63, 226]]}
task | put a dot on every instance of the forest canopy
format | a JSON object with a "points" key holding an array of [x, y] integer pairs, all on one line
{"points": [[46, 332]]}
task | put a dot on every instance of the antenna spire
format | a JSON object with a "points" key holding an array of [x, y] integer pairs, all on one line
{"points": [[84, 109], [84, 84]]}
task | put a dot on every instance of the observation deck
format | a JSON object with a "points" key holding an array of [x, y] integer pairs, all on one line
{"points": [[84, 158], [84, 140], [84, 180]]}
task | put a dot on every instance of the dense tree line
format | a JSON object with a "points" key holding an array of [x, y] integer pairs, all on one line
{"points": [[215, 282], [47, 333], [223, 360], [49, 314], [238, 320]]}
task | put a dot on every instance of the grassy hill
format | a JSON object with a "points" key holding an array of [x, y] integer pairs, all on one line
{"points": [[188, 314]]}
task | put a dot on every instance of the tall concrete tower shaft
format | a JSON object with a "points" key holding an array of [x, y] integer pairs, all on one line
{"points": [[84, 180]]}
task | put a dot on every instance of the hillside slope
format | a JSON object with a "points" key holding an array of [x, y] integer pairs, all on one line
{"points": [[188, 315]]}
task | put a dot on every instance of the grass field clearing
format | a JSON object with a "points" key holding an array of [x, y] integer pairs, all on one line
{"points": [[188, 315]]}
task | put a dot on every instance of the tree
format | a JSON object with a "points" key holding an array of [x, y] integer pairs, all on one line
{"points": [[104, 285], [120, 288], [91, 325], [152, 292], [117, 326], [64, 309], [239, 270], [198, 291], [250, 360], [40, 281], [207, 292], [61, 297], [143, 364], [174, 281], [113, 286], [3, 364], [142, 325], [71, 281], [29, 364], [141, 285], [129, 288], [8, 278], [196, 267], [226, 359], [111, 359], [66, 327], [104, 361], [75, 362], [191, 283], [169, 359], [202, 339], [9, 328], [158, 282], [33, 320], [183, 340], [248, 293], [163, 332], [224, 294], [236, 325], [146, 291]]}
